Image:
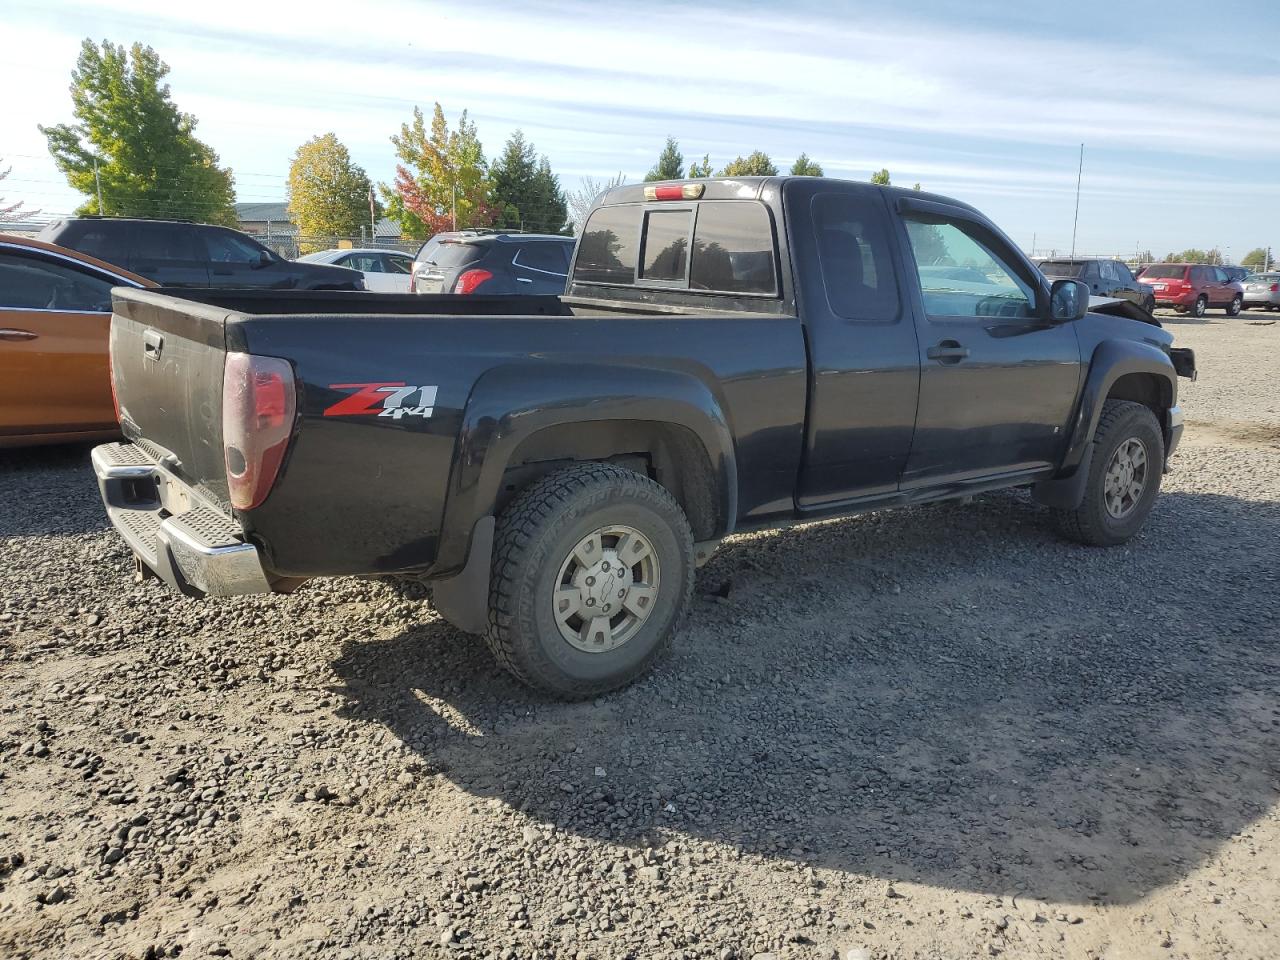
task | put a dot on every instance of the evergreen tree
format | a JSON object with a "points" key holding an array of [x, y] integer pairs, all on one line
{"points": [[804, 167], [525, 190], [670, 165]]}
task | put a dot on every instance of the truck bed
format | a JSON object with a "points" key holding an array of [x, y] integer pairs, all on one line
{"points": [[493, 366]]}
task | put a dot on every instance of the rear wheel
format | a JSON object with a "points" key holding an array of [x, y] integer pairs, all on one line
{"points": [[1201, 306], [1233, 308], [1124, 477], [593, 566]]}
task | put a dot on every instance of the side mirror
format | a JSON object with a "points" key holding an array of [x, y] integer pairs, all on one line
{"points": [[1068, 300], [265, 259]]}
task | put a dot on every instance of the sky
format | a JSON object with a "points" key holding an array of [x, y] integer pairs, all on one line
{"points": [[984, 100]]}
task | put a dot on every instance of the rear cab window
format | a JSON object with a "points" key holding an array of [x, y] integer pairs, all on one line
{"points": [[712, 246]]}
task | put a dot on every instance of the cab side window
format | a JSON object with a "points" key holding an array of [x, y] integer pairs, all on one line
{"points": [[853, 250], [226, 247], [963, 274]]}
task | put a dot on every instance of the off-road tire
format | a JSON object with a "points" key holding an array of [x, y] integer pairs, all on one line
{"points": [[1091, 523], [537, 532], [1233, 308]]}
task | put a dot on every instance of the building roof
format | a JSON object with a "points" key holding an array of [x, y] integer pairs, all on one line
{"points": [[263, 211]]}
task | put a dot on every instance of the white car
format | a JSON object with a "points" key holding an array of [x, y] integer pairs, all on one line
{"points": [[385, 271]]}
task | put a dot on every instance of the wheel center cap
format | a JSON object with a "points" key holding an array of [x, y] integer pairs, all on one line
{"points": [[604, 585]]}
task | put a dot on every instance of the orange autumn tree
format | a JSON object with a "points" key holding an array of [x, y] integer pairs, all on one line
{"points": [[442, 177]]}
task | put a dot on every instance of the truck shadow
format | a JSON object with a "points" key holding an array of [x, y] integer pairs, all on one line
{"points": [[947, 695]]}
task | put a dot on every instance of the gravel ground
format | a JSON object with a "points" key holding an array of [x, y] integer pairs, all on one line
{"points": [[937, 732]]}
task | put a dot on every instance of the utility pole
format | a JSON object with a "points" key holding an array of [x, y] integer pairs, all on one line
{"points": [[373, 221], [1033, 244], [98, 180], [1076, 222], [455, 204]]}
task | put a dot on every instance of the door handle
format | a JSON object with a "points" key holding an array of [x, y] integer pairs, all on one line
{"points": [[523, 280], [152, 344], [948, 351], [11, 333]]}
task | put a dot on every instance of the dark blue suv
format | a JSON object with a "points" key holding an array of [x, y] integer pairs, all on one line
{"points": [[492, 263]]}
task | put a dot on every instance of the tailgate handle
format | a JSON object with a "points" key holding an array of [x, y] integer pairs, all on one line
{"points": [[152, 345]]}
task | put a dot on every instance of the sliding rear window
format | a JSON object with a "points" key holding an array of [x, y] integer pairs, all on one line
{"points": [[732, 248]]}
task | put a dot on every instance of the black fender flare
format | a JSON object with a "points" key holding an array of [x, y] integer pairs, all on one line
{"points": [[511, 403], [1111, 360]]}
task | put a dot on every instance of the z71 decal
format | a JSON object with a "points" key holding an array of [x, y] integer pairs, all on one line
{"points": [[383, 400]]}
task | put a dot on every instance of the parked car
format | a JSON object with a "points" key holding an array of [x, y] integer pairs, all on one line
{"points": [[1193, 288], [385, 271], [730, 354], [177, 253], [1262, 290], [1106, 278], [493, 263], [55, 313]]}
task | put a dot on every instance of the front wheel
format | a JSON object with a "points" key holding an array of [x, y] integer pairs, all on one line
{"points": [[1124, 477], [593, 565], [1233, 308]]}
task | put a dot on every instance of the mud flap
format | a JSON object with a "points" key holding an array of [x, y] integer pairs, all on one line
{"points": [[1066, 493], [463, 599]]}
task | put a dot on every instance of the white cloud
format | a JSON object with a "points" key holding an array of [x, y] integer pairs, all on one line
{"points": [[597, 86]]}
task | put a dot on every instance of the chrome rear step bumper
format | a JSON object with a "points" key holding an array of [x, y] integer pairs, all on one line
{"points": [[188, 544]]}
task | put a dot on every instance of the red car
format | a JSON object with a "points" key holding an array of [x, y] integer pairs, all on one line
{"points": [[1193, 287]]}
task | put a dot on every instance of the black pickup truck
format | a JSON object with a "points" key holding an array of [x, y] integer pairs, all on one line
{"points": [[730, 354]]}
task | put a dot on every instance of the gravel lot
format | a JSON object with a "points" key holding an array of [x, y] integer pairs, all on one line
{"points": [[938, 732]]}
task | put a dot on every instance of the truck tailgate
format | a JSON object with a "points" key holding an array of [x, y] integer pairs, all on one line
{"points": [[167, 373]]}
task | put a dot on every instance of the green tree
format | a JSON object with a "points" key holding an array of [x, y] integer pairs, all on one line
{"points": [[881, 177], [149, 161], [14, 211], [328, 194], [525, 191], [442, 177], [701, 169], [1256, 259], [670, 165], [804, 167], [1196, 255], [757, 164]]}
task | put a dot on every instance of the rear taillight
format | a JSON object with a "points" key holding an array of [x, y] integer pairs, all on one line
{"points": [[258, 407], [1274, 288], [470, 279]]}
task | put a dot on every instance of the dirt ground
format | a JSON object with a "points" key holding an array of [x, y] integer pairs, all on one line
{"points": [[938, 732]]}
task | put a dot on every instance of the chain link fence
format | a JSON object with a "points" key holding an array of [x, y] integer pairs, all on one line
{"points": [[293, 245]]}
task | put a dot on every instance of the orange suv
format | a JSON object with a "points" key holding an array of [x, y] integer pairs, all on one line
{"points": [[55, 317], [1193, 288]]}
